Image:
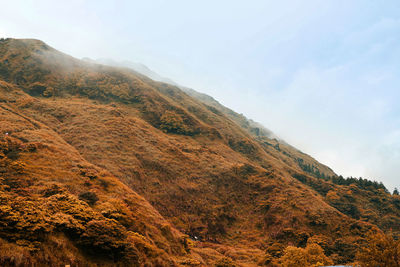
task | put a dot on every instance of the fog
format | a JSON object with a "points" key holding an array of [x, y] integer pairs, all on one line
{"points": [[322, 75]]}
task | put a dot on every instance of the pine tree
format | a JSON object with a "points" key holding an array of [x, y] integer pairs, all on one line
{"points": [[395, 191]]}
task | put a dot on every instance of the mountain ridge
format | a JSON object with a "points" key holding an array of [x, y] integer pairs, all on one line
{"points": [[251, 126]]}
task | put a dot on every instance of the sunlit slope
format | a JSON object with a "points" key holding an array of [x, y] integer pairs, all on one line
{"points": [[58, 208], [211, 177]]}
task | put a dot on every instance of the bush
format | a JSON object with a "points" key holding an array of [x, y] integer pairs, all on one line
{"points": [[312, 255], [89, 197], [224, 262], [105, 236], [172, 122], [380, 250], [37, 88]]}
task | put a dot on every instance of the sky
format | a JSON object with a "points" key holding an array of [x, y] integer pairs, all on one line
{"points": [[324, 75]]}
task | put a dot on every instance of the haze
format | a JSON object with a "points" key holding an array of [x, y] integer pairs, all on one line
{"points": [[323, 75]]}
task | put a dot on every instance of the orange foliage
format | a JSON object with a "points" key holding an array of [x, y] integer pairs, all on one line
{"points": [[380, 250], [312, 255]]}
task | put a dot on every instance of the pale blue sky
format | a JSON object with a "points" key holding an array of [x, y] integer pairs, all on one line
{"points": [[324, 75]]}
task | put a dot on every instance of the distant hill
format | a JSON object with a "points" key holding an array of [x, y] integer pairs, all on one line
{"points": [[102, 165]]}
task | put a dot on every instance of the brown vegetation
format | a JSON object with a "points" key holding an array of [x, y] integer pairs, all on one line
{"points": [[379, 250]]}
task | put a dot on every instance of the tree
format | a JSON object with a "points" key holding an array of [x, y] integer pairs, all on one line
{"points": [[294, 257], [395, 191], [380, 250], [312, 255]]}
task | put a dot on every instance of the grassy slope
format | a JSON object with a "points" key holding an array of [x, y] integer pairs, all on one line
{"points": [[46, 218], [44, 208], [209, 177]]}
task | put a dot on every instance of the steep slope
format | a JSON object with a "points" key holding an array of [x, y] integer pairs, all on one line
{"points": [[58, 208], [238, 192]]}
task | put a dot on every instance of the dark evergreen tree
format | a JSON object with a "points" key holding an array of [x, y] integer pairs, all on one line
{"points": [[395, 191]]}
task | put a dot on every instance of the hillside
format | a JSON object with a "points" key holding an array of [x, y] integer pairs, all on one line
{"points": [[52, 200], [93, 152]]}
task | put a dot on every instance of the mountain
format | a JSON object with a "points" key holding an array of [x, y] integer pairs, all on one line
{"points": [[106, 166]]}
